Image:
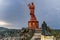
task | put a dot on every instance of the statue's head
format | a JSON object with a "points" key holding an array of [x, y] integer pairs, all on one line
{"points": [[32, 3]]}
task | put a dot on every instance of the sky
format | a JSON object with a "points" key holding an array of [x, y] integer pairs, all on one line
{"points": [[14, 14]]}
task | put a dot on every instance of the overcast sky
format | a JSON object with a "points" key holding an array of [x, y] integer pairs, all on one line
{"points": [[14, 14]]}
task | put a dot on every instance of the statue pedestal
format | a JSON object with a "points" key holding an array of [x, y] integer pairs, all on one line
{"points": [[33, 24]]}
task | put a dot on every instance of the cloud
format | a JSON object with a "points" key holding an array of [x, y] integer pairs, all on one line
{"points": [[8, 25], [5, 24], [16, 12]]}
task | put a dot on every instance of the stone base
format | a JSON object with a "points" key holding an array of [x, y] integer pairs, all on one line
{"points": [[37, 35], [33, 24], [47, 37]]}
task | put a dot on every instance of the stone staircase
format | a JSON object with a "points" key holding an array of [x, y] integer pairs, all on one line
{"points": [[37, 35]]}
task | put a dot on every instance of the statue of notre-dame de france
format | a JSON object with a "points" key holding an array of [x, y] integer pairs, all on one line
{"points": [[32, 23]]}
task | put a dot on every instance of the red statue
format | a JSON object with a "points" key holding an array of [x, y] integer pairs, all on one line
{"points": [[33, 23], [32, 8]]}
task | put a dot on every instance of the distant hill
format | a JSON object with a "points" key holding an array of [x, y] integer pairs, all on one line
{"points": [[3, 29], [6, 29], [10, 32]]}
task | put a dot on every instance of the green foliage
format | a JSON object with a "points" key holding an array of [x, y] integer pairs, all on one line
{"points": [[26, 33], [10, 32], [55, 32]]}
